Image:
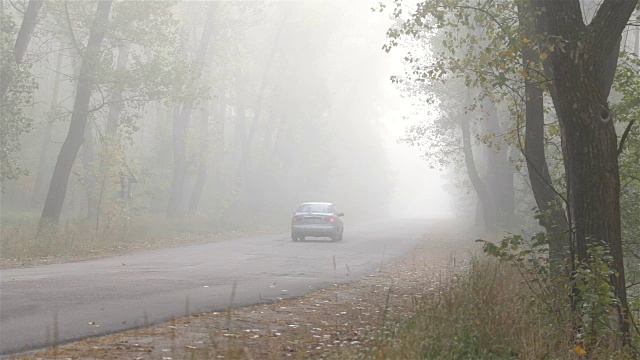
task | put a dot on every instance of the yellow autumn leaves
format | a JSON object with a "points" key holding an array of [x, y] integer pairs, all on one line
{"points": [[579, 350]]}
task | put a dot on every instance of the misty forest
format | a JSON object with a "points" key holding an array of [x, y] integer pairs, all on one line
{"points": [[131, 126]]}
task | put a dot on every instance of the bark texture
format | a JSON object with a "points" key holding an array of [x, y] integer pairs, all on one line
{"points": [[581, 74], [544, 193]]}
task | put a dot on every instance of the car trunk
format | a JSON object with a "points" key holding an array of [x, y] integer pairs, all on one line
{"points": [[313, 218]]}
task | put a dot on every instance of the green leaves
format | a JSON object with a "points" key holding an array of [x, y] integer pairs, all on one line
{"points": [[592, 282], [516, 249], [626, 109], [21, 85]]}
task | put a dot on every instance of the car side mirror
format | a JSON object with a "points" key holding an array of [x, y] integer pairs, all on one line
{"points": [[341, 214]]}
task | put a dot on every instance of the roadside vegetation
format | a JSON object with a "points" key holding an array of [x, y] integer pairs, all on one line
{"points": [[490, 312], [77, 240], [552, 160], [483, 312]]}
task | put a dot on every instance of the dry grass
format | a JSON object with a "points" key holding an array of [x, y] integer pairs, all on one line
{"points": [[20, 245], [485, 312]]}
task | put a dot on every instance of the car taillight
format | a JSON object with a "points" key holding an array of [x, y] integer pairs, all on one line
{"points": [[331, 219], [296, 218]]}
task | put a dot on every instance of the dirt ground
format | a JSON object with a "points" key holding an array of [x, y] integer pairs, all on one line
{"points": [[331, 323]]}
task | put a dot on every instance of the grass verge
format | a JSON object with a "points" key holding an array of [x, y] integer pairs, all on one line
{"points": [[485, 312], [20, 245]]}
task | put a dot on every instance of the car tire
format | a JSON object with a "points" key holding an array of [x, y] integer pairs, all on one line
{"points": [[340, 235], [300, 238], [294, 237]]}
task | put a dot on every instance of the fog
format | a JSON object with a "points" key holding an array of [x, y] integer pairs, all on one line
{"points": [[284, 102], [160, 159], [419, 191]]}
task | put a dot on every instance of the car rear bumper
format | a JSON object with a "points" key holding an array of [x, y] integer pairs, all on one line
{"points": [[314, 230]]}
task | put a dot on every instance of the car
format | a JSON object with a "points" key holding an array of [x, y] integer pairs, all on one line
{"points": [[317, 219]]}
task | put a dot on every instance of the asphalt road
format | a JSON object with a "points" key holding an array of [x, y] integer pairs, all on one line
{"points": [[45, 305]]}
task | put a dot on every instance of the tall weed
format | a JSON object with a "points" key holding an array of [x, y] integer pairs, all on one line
{"points": [[486, 312]]}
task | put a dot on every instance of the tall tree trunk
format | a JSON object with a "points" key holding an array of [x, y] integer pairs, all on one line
{"points": [[279, 136], [22, 41], [636, 43], [175, 206], [488, 212], [111, 144], [219, 135], [582, 73], [554, 220], [202, 160], [90, 179], [38, 187], [246, 150], [60, 179], [26, 29], [219, 127], [180, 119], [548, 202], [240, 121], [499, 171], [267, 140], [116, 105]]}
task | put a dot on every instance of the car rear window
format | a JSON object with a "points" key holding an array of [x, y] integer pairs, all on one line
{"points": [[314, 208]]}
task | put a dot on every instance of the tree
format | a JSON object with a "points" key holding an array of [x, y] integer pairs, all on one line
{"points": [[482, 44], [248, 141], [581, 67], [22, 41], [142, 63], [547, 198], [16, 86], [499, 171], [479, 185], [627, 110], [60, 179], [579, 63], [38, 187], [194, 201], [181, 124]]}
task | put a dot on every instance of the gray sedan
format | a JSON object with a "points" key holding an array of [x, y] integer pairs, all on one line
{"points": [[317, 219]]}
